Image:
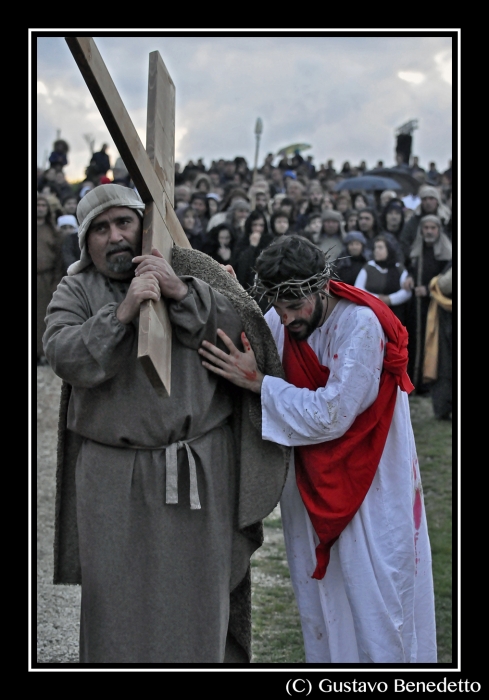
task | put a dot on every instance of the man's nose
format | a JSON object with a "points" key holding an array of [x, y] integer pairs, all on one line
{"points": [[114, 233]]}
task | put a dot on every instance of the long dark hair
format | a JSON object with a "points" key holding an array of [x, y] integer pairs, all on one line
{"points": [[255, 215], [278, 215]]}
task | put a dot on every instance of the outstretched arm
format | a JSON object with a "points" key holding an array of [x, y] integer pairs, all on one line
{"points": [[240, 368]]}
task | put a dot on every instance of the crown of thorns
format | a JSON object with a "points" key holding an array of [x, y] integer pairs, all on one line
{"points": [[292, 287]]}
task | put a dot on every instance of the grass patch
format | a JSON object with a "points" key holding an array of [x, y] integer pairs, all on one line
{"points": [[277, 636]]}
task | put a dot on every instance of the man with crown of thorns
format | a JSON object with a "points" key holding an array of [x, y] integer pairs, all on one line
{"points": [[352, 508]]}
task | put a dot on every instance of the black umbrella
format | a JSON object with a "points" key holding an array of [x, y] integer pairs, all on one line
{"points": [[408, 183], [367, 183]]}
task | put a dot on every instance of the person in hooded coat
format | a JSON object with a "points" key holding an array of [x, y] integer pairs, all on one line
{"points": [[220, 244], [256, 238], [430, 204], [429, 255], [352, 258]]}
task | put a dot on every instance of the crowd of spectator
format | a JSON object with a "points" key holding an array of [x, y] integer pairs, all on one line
{"points": [[393, 243]]}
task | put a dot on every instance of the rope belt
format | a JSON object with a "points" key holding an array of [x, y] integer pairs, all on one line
{"points": [[172, 474], [171, 454]]}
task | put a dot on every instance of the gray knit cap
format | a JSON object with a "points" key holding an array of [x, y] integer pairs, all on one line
{"points": [[94, 203], [431, 217], [329, 214], [429, 191], [355, 236]]}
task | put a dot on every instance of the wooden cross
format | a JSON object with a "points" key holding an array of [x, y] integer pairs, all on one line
{"points": [[153, 172]]}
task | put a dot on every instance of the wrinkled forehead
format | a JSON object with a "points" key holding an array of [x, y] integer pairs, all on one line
{"points": [[112, 213]]}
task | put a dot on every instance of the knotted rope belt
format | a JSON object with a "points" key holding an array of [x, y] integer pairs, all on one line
{"points": [[171, 454], [172, 474]]}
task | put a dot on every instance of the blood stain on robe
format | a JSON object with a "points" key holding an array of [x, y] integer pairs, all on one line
{"points": [[417, 512]]}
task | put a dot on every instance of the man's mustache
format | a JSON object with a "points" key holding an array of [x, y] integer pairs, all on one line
{"points": [[119, 248]]}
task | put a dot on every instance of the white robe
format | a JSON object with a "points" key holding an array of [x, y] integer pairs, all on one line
{"points": [[376, 602]]}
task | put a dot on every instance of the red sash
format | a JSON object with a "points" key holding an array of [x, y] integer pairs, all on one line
{"points": [[333, 477]]}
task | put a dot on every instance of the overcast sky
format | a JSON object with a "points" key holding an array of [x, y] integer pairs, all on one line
{"points": [[343, 95]]}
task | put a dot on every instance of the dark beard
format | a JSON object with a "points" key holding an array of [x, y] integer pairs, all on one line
{"points": [[306, 328], [119, 265]]}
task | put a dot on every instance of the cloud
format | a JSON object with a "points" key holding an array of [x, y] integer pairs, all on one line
{"points": [[344, 95], [412, 77], [443, 61]]}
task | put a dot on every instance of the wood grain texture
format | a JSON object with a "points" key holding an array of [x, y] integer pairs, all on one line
{"points": [[160, 127], [154, 339]]}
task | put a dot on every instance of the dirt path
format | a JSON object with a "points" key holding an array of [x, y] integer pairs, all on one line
{"points": [[57, 606]]}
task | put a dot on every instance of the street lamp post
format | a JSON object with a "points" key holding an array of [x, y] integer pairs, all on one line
{"points": [[258, 132]]}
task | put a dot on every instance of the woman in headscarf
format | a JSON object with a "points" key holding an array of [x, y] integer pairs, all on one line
{"points": [[191, 225], [392, 217], [383, 276], [220, 244], [236, 216], [352, 258], [255, 239], [279, 223]]}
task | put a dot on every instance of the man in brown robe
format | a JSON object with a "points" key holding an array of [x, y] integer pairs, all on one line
{"points": [[168, 493]]}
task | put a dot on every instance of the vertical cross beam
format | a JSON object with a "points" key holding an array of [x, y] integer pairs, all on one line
{"points": [[153, 173]]}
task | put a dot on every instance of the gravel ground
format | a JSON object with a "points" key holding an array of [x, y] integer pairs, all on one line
{"points": [[57, 606]]}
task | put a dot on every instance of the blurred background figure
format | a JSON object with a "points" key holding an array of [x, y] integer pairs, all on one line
{"points": [[279, 223], [100, 160], [343, 202], [255, 239], [360, 201], [213, 201], [384, 276], [313, 228], [70, 249], [70, 203], [428, 257], [385, 197], [352, 258], [369, 225], [437, 365], [191, 225], [351, 220], [200, 205], [331, 239], [220, 244], [392, 217], [59, 155], [49, 266], [234, 195], [430, 204]]}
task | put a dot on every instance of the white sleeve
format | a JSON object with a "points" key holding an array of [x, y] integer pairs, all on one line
{"points": [[402, 295], [292, 416], [361, 279]]}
